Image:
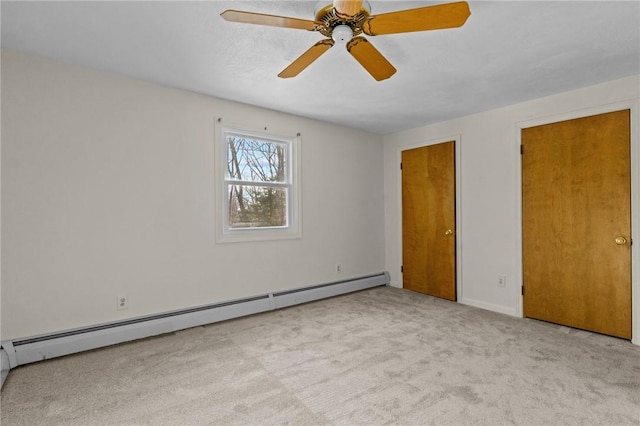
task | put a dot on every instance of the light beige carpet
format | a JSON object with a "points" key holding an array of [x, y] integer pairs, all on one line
{"points": [[381, 356]]}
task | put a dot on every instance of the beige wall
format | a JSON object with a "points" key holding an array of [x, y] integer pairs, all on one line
{"points": [[108, 187]]}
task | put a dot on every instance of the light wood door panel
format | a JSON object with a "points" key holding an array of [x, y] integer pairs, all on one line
{"points": [[428, 220], [576, 200]]}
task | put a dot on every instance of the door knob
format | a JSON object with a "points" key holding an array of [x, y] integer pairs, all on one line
{"points": [[448, 232], [621, 241]]}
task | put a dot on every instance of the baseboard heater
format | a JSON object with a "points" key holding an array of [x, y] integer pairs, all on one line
{"points": [[38, 348]]}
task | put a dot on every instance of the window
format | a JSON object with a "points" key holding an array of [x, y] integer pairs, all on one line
{"points": [[259, 191]]}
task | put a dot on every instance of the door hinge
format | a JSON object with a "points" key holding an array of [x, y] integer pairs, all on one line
{"points": [[522, 290], [400, 166], [401, 268], [521, 149]]}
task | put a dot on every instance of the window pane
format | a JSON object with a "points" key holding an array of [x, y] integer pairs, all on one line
{"points": [[257, 206], [255, 160]]}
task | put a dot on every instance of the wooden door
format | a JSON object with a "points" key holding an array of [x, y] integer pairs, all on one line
{"points": [[428, 220], [576, 223]]}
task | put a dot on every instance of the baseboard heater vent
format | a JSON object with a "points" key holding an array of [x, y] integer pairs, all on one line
{"points": [[18, 343], [24, 351]]}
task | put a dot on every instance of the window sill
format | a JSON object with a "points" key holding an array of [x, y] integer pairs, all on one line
{"points": [[252, 235]]}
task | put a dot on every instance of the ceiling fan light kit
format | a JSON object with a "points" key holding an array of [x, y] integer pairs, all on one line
{"points": [[342, 34], [344, 22]]}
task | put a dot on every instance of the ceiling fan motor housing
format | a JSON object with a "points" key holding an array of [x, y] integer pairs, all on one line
{"points": [[328, 20], [323, 7]]}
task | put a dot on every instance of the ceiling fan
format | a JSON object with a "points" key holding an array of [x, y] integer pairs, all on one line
{"points": [[344, 21]]}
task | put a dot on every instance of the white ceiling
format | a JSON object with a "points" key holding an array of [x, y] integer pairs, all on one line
{"points": [[507, 52]]}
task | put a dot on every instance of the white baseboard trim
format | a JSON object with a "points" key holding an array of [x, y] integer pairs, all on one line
{"points": [[38, 348], [489, 306]]}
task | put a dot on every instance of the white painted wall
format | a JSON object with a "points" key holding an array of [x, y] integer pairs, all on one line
{"points": [[107, 188], [489, 231]]}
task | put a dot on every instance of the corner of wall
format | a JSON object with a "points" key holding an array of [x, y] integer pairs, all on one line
{"points": [[5, 364]]}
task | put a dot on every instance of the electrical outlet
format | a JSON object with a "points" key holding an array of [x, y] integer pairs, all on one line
{"points": [[122, 302], [502, 280], [338, 268]]}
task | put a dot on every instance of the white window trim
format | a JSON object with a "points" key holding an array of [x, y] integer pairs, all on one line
{"points": [[293, 230]]}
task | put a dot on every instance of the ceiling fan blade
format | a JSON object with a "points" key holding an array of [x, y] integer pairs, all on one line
{"points": [[369, 57], [436, 17], [347, 7], [306, 58], [272, 20]]}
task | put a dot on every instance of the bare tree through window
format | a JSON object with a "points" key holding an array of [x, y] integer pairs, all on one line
{"points": [[257, 182]]}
